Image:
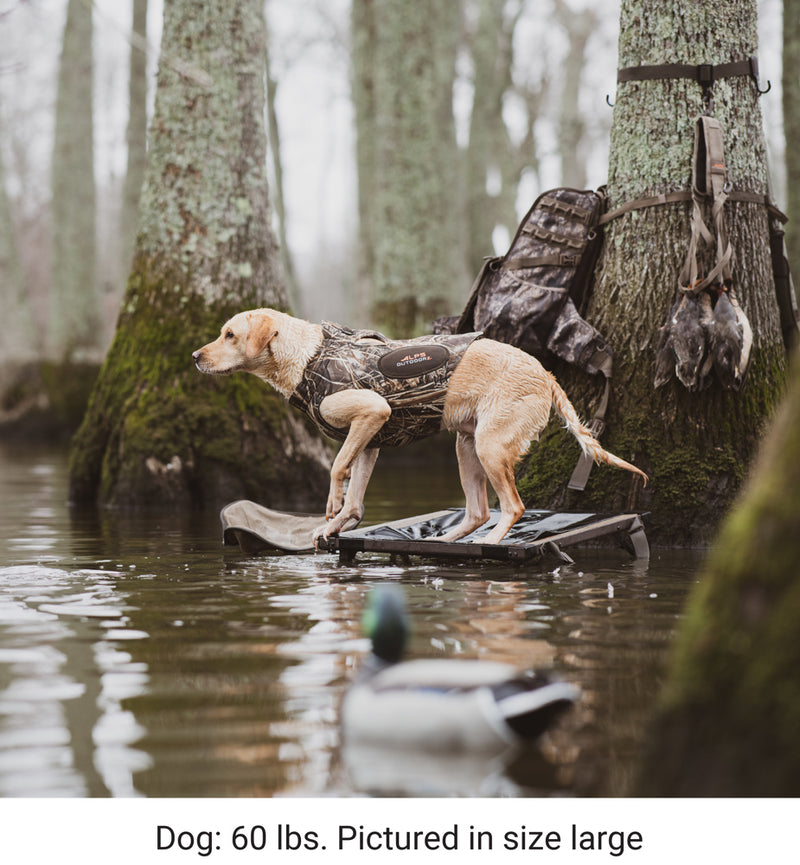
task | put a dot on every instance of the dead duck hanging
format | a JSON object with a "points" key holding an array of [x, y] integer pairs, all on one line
{"points": [[707, 328]]}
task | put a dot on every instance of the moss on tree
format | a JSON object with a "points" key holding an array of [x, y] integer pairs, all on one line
{"points": [[158, 432], [728, 721]]}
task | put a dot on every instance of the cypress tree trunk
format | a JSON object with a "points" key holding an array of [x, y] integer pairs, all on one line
{"points": [[136, 137], [157, 431], [696, 447], [489, 150], [730, 712], [362, 89], [419, 270], [571, 128], [274, 139], [791, 128], [74, 323], [18, 344]]}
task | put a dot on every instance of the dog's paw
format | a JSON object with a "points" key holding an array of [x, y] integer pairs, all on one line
{"points": [[321, 533], [342, 522]]}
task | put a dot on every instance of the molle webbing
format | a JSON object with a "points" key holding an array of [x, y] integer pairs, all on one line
{"points": [[351, 360]]}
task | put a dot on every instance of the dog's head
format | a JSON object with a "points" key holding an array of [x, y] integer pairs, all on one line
{"points": [[242, 346]]}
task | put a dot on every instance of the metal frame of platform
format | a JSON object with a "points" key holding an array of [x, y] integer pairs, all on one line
{"points": [[628, 529]]}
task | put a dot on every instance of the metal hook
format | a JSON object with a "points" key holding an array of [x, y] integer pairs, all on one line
{"points": [[608, 101], [708, 101], [765, 90]]}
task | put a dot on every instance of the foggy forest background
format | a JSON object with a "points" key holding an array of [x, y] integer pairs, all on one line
{"points": [[560, 57]]}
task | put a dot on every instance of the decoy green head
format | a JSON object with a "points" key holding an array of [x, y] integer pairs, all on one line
{"points": [[385, 623]]}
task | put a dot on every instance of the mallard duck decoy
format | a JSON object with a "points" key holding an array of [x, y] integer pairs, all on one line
{"points": [[442, 705]]}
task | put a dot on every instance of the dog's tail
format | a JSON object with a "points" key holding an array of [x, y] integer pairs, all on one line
{"points": [[589, 444]]}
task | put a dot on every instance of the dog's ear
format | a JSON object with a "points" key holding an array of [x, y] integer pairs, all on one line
{"points": [[260, 333]]}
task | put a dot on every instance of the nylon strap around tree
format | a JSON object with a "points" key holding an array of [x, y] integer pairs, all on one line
{"points": [[686, 195], [704, 74]]}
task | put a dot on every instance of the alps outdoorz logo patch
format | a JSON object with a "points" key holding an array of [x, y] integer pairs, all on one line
{"points": [[409, 361]]}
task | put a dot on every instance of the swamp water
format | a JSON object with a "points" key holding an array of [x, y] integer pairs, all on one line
{"points": [[140, 657]]}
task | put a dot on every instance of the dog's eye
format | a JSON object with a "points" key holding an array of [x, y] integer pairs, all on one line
{"points": [[228, 334]]}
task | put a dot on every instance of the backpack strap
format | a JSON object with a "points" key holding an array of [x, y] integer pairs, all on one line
{"points": [[784, 289], [564, 259], [601, 362]]}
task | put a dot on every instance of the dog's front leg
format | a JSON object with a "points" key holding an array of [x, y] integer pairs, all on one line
{"points": [[363, 413], [349, 516]]}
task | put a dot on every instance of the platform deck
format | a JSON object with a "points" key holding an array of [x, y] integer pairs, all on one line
{"points": [[537, 533]]}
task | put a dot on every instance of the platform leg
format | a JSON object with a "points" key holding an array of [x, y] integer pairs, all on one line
{"points": [[638, 539]]}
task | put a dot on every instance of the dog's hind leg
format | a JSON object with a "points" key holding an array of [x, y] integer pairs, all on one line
{"points": [[498, 447], [473, 481]]}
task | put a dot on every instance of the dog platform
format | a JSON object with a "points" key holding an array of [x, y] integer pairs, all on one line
{"points": [[537, 533]]}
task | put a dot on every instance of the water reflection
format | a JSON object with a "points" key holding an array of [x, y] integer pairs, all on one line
{"points": [[62, 680], [140, 657]]}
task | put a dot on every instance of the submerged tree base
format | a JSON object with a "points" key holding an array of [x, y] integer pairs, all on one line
{"points": [[730, 714], [159, 433], [43, 400]]}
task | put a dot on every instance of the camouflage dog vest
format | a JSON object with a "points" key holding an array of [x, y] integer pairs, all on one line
{"points": [[411, 375]]}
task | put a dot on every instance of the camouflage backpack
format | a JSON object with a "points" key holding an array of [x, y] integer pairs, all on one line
{"points": [[532, 297]]}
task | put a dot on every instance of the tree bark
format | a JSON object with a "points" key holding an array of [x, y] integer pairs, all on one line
{"points": [[18, 344], [136, 136], [156, 431], [696, 447], [74, 323], [791, 128], [730, 712]]}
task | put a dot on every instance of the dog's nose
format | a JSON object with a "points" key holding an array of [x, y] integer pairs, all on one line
{"points": [[196, 355]]}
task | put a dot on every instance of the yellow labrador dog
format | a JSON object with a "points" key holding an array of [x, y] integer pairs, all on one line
{"points": [[369, 391]]}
